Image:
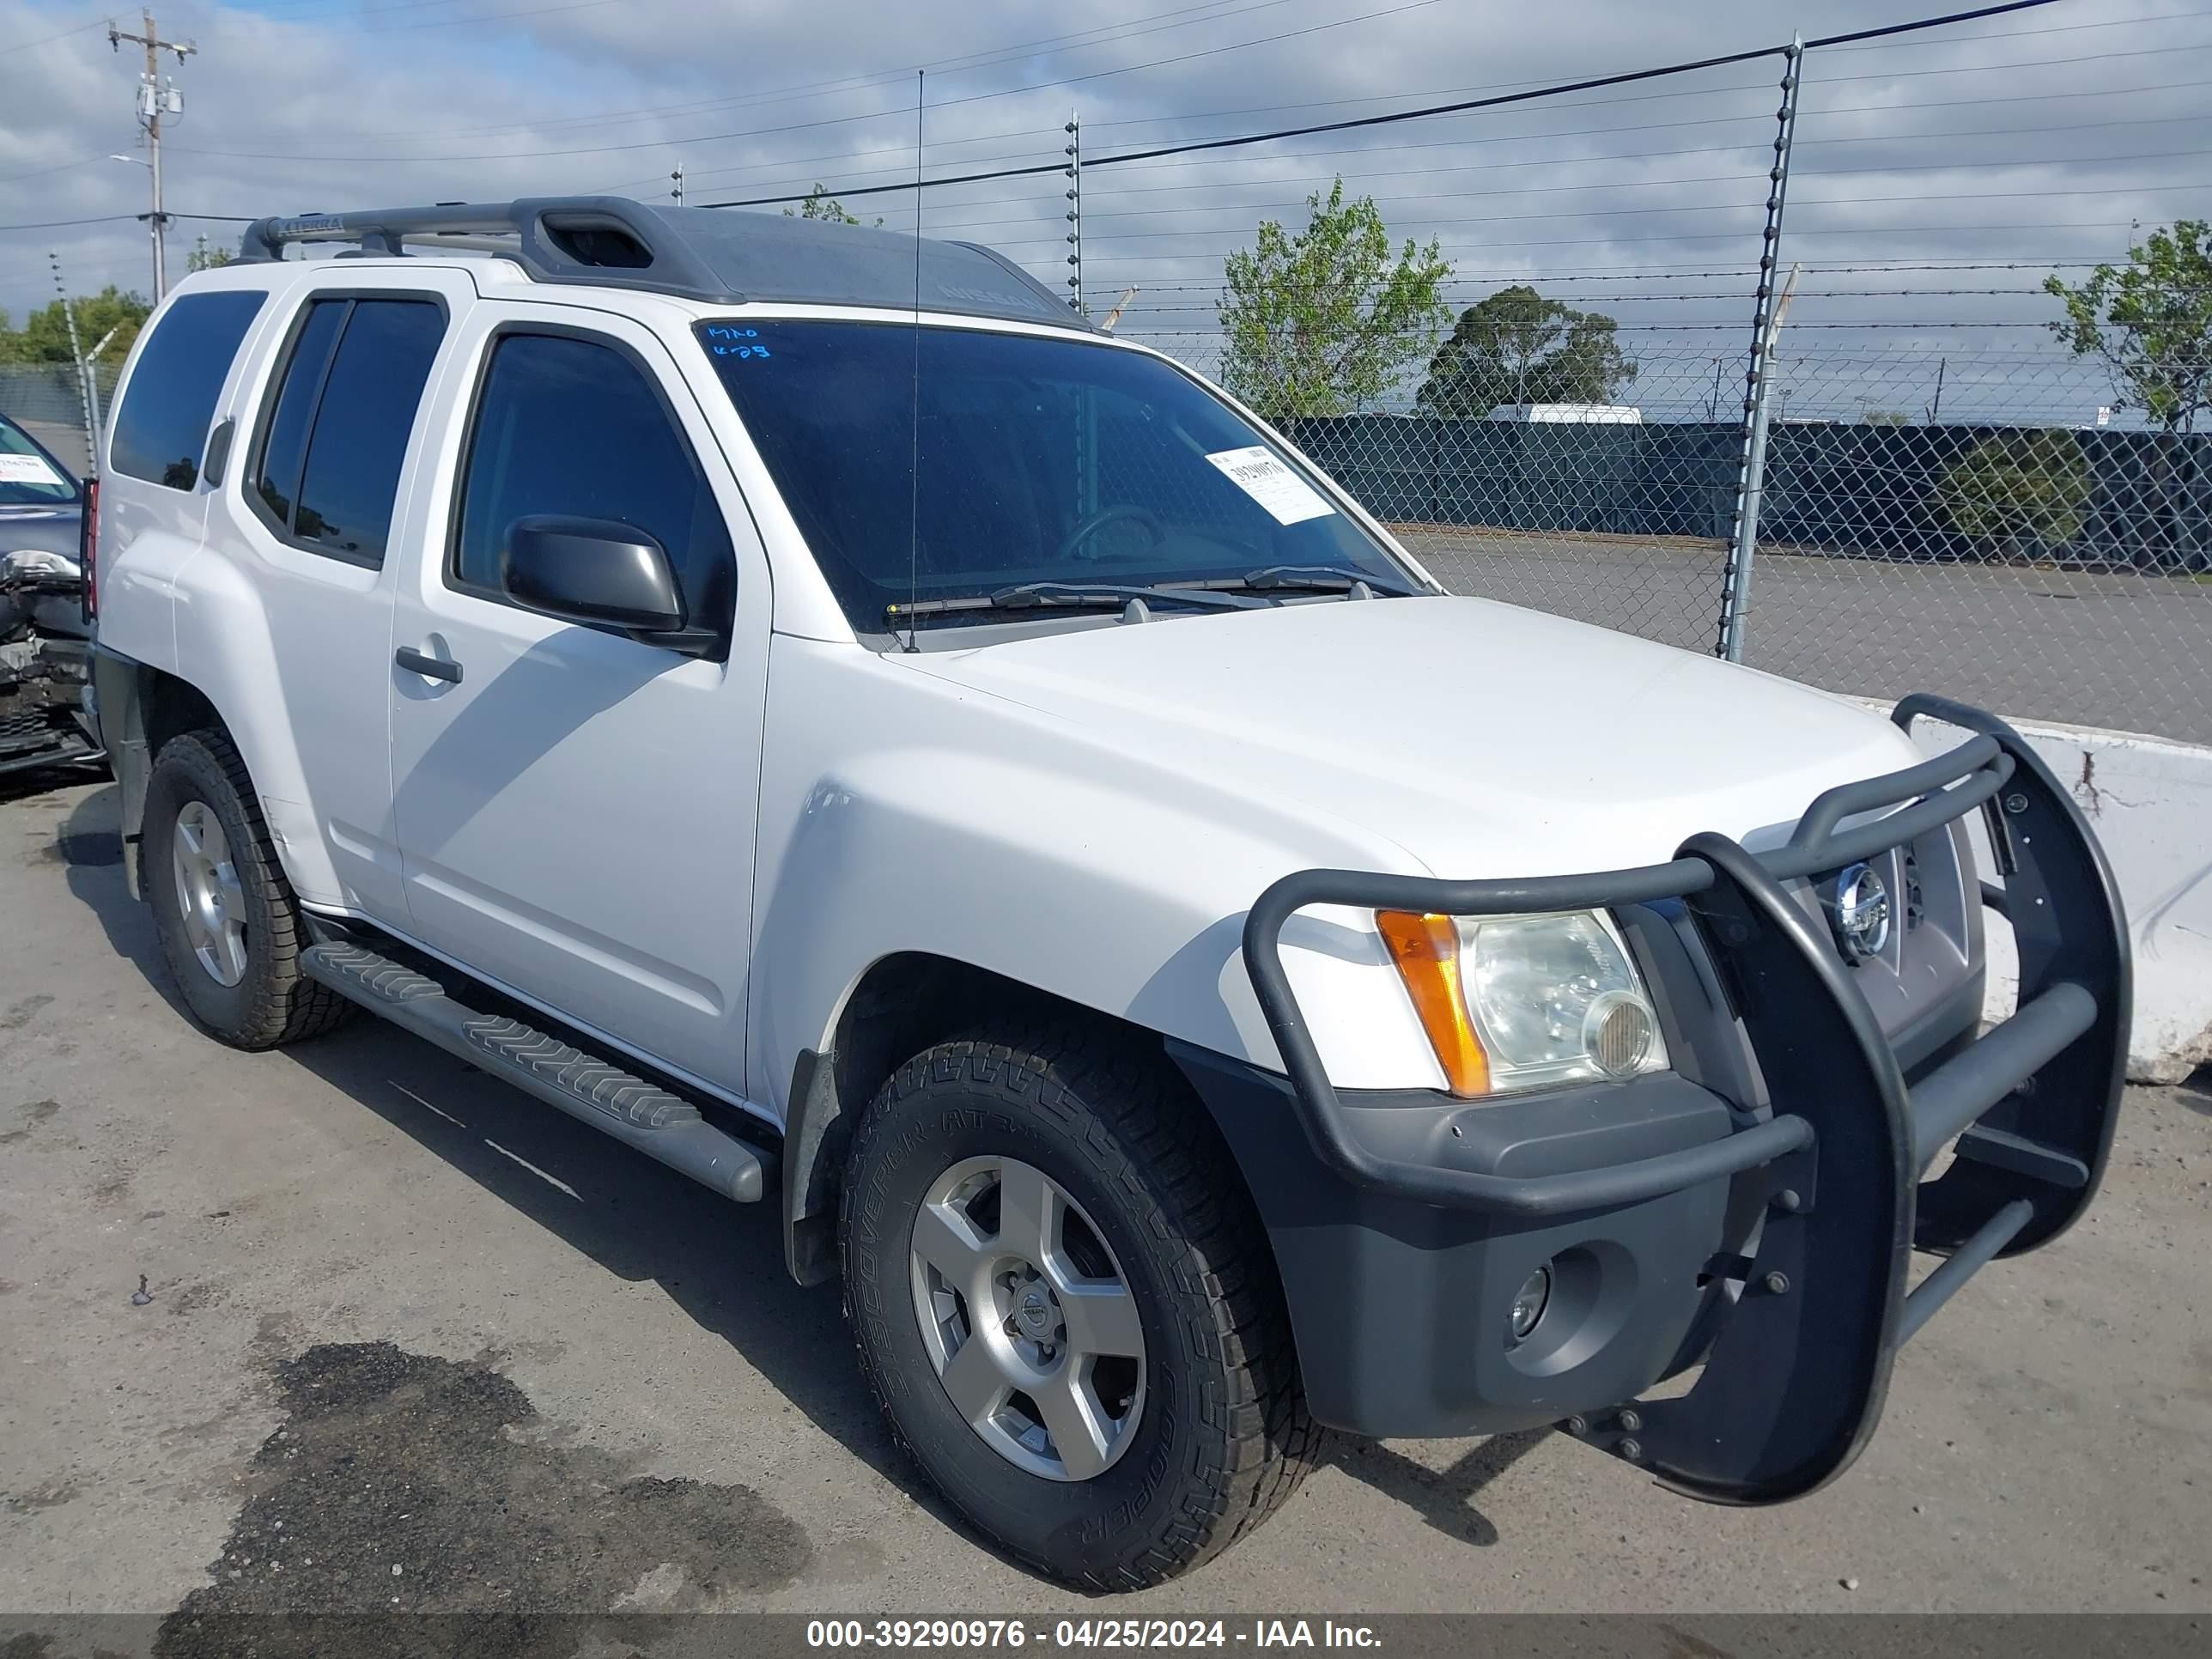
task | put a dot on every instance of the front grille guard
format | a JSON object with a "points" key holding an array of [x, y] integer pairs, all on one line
{"points": [[1795, 1380]]}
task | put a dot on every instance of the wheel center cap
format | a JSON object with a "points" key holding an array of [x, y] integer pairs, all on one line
{"points": [[1034, 1311]]}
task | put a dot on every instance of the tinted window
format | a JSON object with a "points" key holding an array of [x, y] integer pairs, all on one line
{"points": [[330, 463], [28, 475], [571, 427], [1042, 459], [361, 428], [161, 429], [285, 448]]}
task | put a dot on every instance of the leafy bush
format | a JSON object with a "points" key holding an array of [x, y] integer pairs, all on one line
{"points": [[2019, 489]]}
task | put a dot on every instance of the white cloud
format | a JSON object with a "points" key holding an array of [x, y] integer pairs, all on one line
{"points": [[1922, 153]]}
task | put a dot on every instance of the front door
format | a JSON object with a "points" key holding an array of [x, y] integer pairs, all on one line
{"points": [[576, 807]]}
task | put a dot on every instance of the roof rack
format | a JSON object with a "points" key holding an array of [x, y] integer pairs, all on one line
{"points": [[696, 253]]}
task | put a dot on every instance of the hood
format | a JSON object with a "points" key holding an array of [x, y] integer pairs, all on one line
{"points": [[1483, 740], [51, 528]]}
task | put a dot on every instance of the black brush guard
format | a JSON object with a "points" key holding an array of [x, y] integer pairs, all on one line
{"points": [[1794, 1383]]}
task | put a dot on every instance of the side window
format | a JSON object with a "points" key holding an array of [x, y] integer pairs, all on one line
{"points": [[338, 430], [574, 426], [284, 447], [160, 431]]}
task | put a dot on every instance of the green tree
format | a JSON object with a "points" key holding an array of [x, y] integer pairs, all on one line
{"points": [[1517, 347], [2150, 322], [43, 337], [1327, 319], [203, 257], [820, 204], [2017, 492]]}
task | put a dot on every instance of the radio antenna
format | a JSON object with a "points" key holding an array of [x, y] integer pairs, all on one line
{"points": [[914, 500]]}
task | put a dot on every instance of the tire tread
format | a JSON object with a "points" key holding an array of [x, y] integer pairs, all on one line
{"points": [[1139, 1120], [288, 1006]]}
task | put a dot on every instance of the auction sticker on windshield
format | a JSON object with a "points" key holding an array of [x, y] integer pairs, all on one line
{"points": [[33, 469], [1257, 472]]}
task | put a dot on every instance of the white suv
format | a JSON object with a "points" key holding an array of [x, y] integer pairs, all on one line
{"points": [[810, 706]]}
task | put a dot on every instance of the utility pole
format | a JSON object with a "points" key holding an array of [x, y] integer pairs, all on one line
{"points": [[157, 96], [1935, 404], [678, 177], [1073, 151]]}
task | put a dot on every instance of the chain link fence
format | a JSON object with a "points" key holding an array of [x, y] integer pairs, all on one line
{"points": [[2056, 571], [2052, 571], [1961, 504], [47, 401], [1949, 499]]}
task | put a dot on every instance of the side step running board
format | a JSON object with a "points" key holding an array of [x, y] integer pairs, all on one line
{"points": [[658, 1124]]}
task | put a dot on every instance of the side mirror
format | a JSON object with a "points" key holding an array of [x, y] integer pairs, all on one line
{"points": [[592, 570]]}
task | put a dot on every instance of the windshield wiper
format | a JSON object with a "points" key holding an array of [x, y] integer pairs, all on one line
{"points": [[1304, 578], [1049, 595]]}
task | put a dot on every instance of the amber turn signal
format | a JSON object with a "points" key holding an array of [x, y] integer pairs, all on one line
{"points": [[1427, 951]]}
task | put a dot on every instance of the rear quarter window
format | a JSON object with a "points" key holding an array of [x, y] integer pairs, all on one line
{"points": [[160, 431]]}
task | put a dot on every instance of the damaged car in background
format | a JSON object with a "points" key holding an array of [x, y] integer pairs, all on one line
{"points": [[43, 649]]}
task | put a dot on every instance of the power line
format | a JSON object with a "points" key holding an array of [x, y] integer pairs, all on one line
{"points": [[1149, 157], [1496, 100], [2015, 35], [1670, 236], [1625, 78], [829, 121], [64, 224], [1044, 210], [959, 63], [2031, 63], [14, 46], [798, 193]]}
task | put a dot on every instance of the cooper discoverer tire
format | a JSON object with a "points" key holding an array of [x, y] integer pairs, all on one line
{"points": [[1214, 1435], [229, 926]]}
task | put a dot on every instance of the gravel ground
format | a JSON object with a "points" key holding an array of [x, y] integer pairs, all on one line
{"points": [[413, 1341]]}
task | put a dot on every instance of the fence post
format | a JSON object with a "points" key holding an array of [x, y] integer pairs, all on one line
{"points": [[1073, 150], [84, 391], [1751, 476]]}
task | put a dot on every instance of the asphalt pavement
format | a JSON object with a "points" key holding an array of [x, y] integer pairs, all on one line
{"points": [[2105, 648], [408, 1340]]}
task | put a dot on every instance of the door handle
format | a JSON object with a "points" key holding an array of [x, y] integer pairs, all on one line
{"points": [[437, 668]]}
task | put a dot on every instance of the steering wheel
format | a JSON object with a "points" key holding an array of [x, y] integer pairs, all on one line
{"points": [[1092, 523]]}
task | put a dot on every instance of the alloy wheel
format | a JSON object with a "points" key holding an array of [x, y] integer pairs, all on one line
{"points": [[1028, 1318]]}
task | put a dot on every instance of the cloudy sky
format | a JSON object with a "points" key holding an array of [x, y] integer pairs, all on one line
{"points": [[1994, 149]]}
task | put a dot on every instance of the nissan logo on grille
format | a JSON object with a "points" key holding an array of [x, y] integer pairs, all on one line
{"points": [[1858, 912]]}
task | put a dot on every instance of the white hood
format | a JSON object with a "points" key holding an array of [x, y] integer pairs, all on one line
{"points": [[1483, 740]]}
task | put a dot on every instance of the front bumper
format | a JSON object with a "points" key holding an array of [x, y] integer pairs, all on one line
{"points": [[43, 685], [1757, 1209]]}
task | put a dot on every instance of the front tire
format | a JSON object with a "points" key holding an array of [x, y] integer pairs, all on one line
{"points": [[1065, 1303], [230, 928]]}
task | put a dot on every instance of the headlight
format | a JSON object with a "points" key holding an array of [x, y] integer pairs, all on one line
{"points": [[1523, 1002], [28, 566]]}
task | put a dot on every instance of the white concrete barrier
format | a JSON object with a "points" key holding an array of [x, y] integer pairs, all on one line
{"points": [[2150, 802]]}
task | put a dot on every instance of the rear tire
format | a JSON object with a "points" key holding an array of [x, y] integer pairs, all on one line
{"points": [[230, 928], [1214, 1435]]}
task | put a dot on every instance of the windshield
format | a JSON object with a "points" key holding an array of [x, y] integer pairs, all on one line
{"points": [[27, 477], [1040, 459]]}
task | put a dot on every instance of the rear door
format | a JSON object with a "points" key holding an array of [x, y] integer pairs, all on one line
{"points": [[320, 508], [154, 505], [576, 806]]}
